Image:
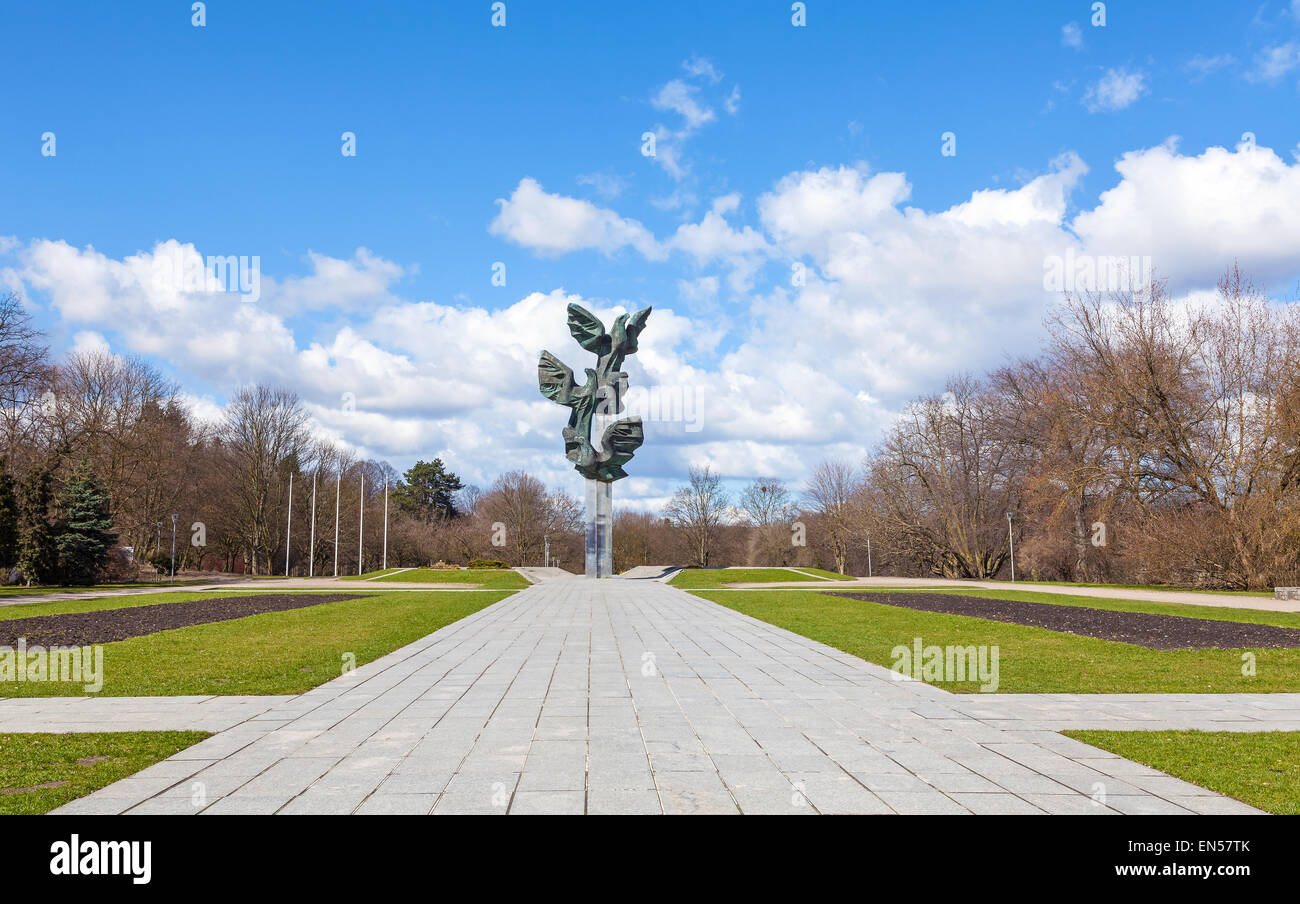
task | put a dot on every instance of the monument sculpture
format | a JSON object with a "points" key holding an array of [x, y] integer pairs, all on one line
{"points": [[601, 464]]}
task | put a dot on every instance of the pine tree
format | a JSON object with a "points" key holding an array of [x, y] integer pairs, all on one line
{"points": [[428, 491], [8, 521], [84, 535], [38, 557]]}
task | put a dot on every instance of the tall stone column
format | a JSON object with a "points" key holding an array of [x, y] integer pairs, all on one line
{"points": [[600, 529]]}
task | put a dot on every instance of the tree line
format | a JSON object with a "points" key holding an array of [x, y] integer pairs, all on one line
{"points": [[1150, 441]]}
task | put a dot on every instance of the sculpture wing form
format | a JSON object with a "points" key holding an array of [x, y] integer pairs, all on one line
{"points": [[620, 440], [556, 380], [635, 324], [588, 330]]}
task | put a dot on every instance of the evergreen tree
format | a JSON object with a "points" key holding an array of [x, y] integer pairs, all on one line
{"points": [[38, 557], [428, 491], [84, 535], [8, 521]]}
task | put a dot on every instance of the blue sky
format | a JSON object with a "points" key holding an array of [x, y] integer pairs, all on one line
{"points": [[776, 145]]}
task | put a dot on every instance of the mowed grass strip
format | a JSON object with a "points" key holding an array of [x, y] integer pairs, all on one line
{"points": [[63, 607], [39, 772], [829, 575], [1260, 768], [485, 578], [1031, 660], [37, 591], [368, 576], [274, 653], [705, 578]]}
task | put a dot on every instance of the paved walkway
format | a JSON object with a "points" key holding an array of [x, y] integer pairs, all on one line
{"points": [[634, 697]]}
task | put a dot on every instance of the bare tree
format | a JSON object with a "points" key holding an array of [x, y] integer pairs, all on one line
{"points": [[529, 513], [831, 492], [698, 510], [265, 437], [24, 373], [767, 509], [946, 477]]}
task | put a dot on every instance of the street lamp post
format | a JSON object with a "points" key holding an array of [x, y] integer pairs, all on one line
{"points": [[174, 517], [1011, 540]]}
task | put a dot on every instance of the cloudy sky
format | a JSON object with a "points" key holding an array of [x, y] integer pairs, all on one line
{"points": [[828, 218]]}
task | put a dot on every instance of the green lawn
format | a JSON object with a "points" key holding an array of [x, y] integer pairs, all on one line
{"points": [[485, 578], [369, 575], [59, 607], [705, 578], [1031, 660], [831, 575], [274, 653], [33, 591], [1261, 768], [39, 772]]}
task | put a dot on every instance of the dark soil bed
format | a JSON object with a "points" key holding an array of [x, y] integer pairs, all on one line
{"points": [[1155, 632], [108, 625]]}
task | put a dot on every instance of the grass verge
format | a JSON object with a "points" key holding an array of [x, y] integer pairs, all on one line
{"points": [[36, 591], [485, 578], [273, 653], [1260, 768], [705, 578], [829, 575], [369, 575], [1031, 660], [39, 772]]}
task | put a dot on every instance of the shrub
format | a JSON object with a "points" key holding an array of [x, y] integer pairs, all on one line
{"points": [[487, 563]]}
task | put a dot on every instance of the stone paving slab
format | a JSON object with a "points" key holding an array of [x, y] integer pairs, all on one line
{"points": [[1122, 712], [91, 714], [582, 696]]}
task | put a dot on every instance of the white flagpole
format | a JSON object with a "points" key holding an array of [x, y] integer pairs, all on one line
{"points": [[338, 486], [311, 553], [288, 529], [385, 565], [361, 523]]}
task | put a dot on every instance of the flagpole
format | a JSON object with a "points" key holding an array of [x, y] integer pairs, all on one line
{"points": [[384, 567], [288, 528], [361, 523], [338, 486], [311, 553]]}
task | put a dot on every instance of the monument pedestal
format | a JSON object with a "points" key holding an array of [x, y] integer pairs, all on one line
{"points": [[600, 529]]}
